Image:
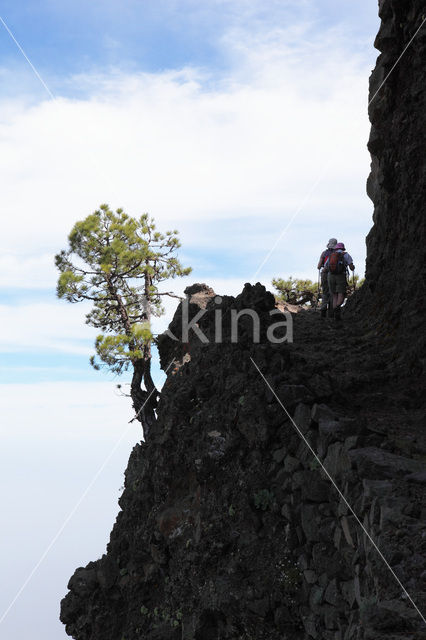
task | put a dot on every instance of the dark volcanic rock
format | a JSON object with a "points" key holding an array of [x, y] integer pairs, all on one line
{"points": [[394, 294], [376, 463], [419, 476], [229, 528]]}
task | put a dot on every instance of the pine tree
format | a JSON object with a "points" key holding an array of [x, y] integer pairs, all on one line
{"points": [[296, 291], [117, 262]]}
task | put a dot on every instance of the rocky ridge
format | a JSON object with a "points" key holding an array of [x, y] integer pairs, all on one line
{"points": [[230, 529]]}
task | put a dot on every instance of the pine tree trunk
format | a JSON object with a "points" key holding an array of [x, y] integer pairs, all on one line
{"points": [[144, 400]]}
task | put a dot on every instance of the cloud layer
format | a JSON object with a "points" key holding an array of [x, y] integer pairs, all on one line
{"points": [[191, 148]]}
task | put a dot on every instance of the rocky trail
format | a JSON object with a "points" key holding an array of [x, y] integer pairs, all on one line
{"points": [[369, 376]]}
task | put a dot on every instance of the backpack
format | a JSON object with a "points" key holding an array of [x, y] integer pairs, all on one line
{"points": [[325, 256], [336, 262]]}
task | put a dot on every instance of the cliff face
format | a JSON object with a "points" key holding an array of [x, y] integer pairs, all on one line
{"points": [[395, 290], [229, 527]]}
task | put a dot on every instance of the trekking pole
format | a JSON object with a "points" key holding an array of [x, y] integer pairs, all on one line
{"points": [[353, 280], [318, 291]]}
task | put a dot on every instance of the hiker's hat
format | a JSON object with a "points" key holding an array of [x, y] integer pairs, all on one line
{"points": [[340, 245], [331, 243]]}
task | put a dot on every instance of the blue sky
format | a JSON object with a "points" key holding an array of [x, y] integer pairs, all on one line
{"points": [[69, 37], [218, 117]]}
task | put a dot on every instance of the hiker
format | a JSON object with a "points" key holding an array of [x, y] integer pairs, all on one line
{"points": [[325, 301], [338, 263]]}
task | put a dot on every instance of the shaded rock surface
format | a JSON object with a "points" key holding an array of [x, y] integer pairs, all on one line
{"points": [[229, 528], [394, 295], [373, 462]]}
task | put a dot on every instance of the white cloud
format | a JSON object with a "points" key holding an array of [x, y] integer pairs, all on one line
{"points": [[88, 411], [64, 450], [186, 148], [60, 327], [44, 327], [28, 271]]}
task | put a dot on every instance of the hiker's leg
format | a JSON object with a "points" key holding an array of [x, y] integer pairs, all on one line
{"points": [[325, 290], [340, 294], [325, 294], [340, 289], [340, 298], [332, 293]]}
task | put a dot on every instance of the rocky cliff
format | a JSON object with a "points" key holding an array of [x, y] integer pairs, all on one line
{"points": [[395, 291], [230, 527]]}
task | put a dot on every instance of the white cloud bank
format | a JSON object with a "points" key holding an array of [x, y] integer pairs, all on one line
{"points": [[64, 450], [83, 411], [44, 327], [59, 328], [187, 147]]}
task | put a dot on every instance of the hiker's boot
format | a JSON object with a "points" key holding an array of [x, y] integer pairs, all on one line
{"points": [[337, 314], [324, 312], [330, 312]]}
